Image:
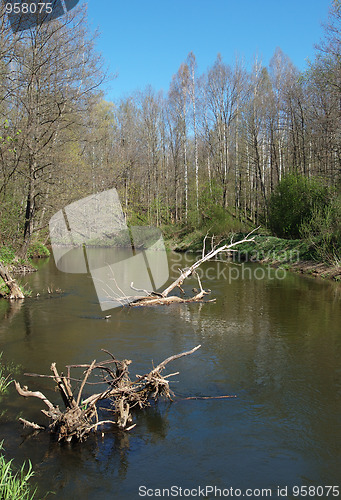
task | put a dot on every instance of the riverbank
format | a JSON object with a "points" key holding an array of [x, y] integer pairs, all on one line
{"points": [[19, 266], [293, 255]]}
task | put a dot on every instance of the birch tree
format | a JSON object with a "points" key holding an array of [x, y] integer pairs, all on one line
{"points": [[178, 104], [191, 63], [224, 87]]}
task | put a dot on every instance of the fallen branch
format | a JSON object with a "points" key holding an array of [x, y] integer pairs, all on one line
{"points": [[162, 365], [34, 426], [212, 253], [206, 397], [164, 299], [35, 394]]}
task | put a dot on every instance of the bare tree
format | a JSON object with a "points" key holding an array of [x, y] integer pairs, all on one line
{"points": [[54, 71], [178, 106], [191, 63]]}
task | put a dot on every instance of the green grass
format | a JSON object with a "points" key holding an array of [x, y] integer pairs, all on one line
{"points": [[272, 249], [37, 250], [9, 259], [265, 248], [4, 377], [7, 255], [15, 486], [3, 289]]}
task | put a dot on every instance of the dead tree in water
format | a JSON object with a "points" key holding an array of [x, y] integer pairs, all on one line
{"points": [[14, 288], [80, 417], [162, 298]]}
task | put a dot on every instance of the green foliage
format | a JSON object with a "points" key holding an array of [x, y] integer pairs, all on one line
{"points": [[3, 289], [209, 206], [4, 377], [213, 219], [158, 206], [26, 290], [323, 231], [15, 486], [137, 216], [212, 215], [8, 257], [274, 250], [293, 202], [37, 250], [7, 254], [7, 141]]}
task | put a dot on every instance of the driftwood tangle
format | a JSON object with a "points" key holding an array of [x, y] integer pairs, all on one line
{"points": [[163, 298], [80, 416]]}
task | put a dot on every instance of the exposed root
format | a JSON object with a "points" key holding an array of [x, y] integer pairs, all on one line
{"points": [[80, 416]]}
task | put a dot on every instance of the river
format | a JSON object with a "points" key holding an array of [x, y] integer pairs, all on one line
{"points": [[271, 339]]}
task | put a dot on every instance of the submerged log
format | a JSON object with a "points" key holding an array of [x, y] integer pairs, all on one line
{"points": [[80, 417], [14, 288], [166, 301]]}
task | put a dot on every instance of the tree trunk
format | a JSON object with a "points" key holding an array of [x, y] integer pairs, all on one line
{"points": [[15, 291]]}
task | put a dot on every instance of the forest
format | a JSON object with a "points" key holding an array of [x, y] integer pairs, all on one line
{"points": [[224, 148]]}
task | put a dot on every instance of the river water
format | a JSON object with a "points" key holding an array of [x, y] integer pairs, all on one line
{"points": [[274, 341]]}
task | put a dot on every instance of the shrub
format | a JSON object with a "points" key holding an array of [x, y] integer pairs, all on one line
{"points": [[323, 231], [212, 215], [293, 202], [37, 250]]}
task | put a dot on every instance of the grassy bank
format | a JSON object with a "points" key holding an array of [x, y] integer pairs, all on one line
{"points": [[297, 255], [294, 255], [13, 485], [17, 265]]}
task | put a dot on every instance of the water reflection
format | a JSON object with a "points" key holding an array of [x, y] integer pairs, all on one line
{"points": [[154, 421], [274, 343], [8, 310], [74, 464], [28, 312]]}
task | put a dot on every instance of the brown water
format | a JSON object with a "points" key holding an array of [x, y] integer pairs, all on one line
{"points": [[273, 342]]}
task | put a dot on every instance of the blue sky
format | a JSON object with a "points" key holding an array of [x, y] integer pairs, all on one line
{"points": [[145, 42]]}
